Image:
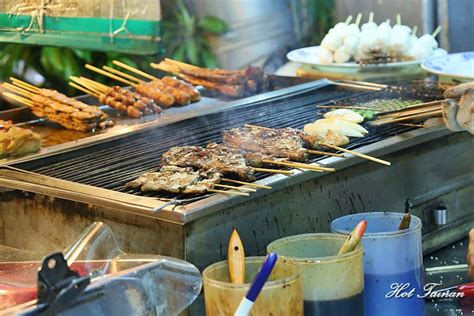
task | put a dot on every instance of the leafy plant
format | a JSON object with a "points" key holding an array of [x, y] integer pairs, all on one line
{"points": [[321, 14], [186, 37]]}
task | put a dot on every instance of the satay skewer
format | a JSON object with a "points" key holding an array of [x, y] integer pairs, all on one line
{"points": [[110, 75], [256, 185], [18, 90], [299, 165], [81, 88]]}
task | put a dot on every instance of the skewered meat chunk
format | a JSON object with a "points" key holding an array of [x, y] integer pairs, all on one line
{"points": [[180, 84], [163, 98], [232, 165], [177, 180], [16, 141], [133, 103], [251, 158], [283, 144]]}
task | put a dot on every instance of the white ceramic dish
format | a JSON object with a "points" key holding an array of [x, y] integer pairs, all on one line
{"points": [[458, 65], [309, 56]]}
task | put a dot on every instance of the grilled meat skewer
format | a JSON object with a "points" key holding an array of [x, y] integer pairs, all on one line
{"points": [[177, 180], [282, 144], [134, 104], [229, 164]]}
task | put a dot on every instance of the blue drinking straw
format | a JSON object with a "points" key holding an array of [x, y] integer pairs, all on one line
{"points": [[257, 284]]}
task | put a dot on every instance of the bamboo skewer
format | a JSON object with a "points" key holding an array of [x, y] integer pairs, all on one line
{"points": [[135, 70], [81, 88], [273, 171], [410, 117], [110, 75], [324, 153], [383, 162], [121, 73], [95, 83], [347, 107], [228, 192], [410, 112], [299, 165], [25, 85], [235, 188], [18, 99], [250, 184], [18, 90], [79, 82], [412, 107]]}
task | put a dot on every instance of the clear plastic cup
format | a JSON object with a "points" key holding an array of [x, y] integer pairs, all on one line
{"points": [[281, 294], [393, 262], [332, 284]]}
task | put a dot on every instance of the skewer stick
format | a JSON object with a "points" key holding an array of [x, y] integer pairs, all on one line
{"points": [[412, 125], [414, 106], [256, 126], [135, 70], [383, 162], [256, 185], [414, 30], [121, 73], [80, 88], [358, 19], [25, 85], [98, 85], [347, 107], [18, 90], [371, 16], [273, 171], [299, 165], [88, 86], [349, 19], [166, 68], [438, 29], [235, 188], [409, 117], [399, 19], [228, 192], [410, 112], [18, 99], [108, 74], [325, 153]]}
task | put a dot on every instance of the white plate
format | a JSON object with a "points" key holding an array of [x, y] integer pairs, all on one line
{"points": [[309, 56], [458, 65]]}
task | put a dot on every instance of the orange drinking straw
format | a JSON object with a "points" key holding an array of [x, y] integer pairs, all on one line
{"points": [[236, 258], [354, 238]]}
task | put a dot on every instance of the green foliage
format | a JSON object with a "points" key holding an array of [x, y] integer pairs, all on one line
{"points": [[323, 18], [186, 37]]}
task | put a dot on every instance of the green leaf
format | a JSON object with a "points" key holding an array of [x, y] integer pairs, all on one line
{"points": [[179, 53], [213, 24], [208, 58], [85, 55], [191, 52]]}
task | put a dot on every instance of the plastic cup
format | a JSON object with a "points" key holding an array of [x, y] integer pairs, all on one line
{"points": [[393, 262], [332, 284], [281, 294]]}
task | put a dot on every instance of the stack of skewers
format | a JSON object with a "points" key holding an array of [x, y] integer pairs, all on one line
{"points": [[234, 83], [56, 107]]}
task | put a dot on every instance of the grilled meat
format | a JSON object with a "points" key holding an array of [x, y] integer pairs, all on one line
{"points": [[229, 164], [234, 83], [68, 112], [281, 143], [133, 103], [177, 180], [251, 158], [16, 141], [180, 84]]}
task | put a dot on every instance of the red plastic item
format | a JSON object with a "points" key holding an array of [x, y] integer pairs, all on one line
{"points": [[467, 289]]}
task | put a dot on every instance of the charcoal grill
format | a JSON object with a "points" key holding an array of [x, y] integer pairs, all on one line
{"points": [[432, 168]]}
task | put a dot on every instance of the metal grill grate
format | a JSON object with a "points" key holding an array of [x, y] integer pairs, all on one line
{"points": [[110, 165]]}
